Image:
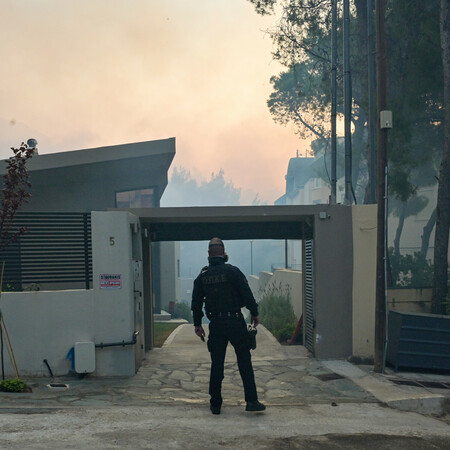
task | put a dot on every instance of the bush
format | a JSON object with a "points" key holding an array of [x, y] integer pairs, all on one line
{"points": [[180, 311], [413, 271], [285, 333], [276, 313], [14, 385]]}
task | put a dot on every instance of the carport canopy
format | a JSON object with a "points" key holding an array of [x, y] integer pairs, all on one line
{"points": [[228, 222]]}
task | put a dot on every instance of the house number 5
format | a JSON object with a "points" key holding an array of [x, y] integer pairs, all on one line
{"points": [[112, 240]]}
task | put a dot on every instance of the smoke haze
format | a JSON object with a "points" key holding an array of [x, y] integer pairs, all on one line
{"points": [[79, 74]]}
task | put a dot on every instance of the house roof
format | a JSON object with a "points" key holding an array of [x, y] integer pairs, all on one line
{"points": [[100, 154], [298, 173]]}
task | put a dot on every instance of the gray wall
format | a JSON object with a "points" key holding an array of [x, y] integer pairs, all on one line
{"points": [[87, 180], [93, 187], [333, 273]]}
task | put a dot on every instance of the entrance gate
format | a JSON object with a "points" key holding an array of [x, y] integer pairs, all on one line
{"points": [[326, 231]]}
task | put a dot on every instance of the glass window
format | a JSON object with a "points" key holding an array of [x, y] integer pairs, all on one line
{"points": [[140, 198]]}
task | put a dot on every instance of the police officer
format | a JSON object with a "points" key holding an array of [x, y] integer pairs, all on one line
{"points": [[224, 290]]}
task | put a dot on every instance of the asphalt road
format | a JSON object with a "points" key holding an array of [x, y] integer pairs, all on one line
{"points": [[348, 426], [165, 406]]}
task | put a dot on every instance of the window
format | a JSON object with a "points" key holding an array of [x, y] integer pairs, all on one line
{"points": [[317, 183], [140, 198]]}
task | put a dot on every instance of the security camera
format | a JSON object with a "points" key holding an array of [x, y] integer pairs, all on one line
{"points": [[32, 143]]}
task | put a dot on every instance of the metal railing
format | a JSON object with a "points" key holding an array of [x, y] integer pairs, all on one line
{"points": [[309, 296]]}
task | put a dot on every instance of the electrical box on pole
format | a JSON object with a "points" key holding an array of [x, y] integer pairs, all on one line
{"points": [[385, 119]]}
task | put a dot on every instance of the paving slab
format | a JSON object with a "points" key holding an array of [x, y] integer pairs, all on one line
{"points": [[178, 373]]}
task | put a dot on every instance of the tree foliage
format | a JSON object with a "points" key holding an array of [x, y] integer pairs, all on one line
{"points": [[184, 190], [413, 271], [301, 94], [439, 303], [15, 193], [418, 43], [415, 95]]}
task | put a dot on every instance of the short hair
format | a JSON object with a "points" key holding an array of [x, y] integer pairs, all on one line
{"points": [[216, 247]]}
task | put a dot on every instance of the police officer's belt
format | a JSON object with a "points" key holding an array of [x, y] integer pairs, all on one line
{"points": [[224, 315]]}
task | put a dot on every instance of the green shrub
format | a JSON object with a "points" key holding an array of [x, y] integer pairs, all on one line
{"points": [[413, 271], [14, 385], [285, 333], [180, 311], [276, 313]]}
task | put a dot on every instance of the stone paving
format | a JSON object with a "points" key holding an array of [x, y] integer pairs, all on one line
{"points": [[178, 373]]}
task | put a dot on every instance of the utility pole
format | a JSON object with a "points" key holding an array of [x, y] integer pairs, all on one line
{"points": [[380, 301], [347, 106], [372, 121], [285, 254], [333, 99]]}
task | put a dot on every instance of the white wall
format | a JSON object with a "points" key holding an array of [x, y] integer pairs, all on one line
{"points": [[170, 281], [364, 222], [253, 282], [186, 285], [46, 324], [284, 279], [115, 308]]}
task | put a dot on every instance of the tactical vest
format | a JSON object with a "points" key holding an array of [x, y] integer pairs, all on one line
{"points": [[218, 284]]}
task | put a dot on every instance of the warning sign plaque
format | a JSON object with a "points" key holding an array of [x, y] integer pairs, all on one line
{"points": [[110, 281]]}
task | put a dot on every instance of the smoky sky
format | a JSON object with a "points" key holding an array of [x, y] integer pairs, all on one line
{"points": [[83, 74]]}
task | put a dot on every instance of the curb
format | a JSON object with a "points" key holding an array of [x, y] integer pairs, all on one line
{"points": [[172, 335], [388, 394]]}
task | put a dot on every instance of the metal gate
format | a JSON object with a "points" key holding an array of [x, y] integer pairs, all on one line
{"points": [[309, 294]]}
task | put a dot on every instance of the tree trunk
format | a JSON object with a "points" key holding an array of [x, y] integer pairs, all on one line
{"points": [[427, 229], [443, 200], [358, 151], [398, 233]]}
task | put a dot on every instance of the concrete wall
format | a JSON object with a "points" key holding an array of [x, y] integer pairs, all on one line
{"points": [[46, 325], [410, 300], [264, 279], [333, 278], [170, 281], [285, 280], [253, 282], [186, 285], [364, 224], [65, 190]]}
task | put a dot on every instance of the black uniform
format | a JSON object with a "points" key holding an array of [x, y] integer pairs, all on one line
{"points": [[224, 290]]}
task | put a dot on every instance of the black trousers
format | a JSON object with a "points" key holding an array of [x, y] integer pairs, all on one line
{"points": [[222, 331]]}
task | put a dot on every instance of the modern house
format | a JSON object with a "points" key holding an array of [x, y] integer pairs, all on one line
{"points": [[305, 185], [97, 179], [118, 176]]}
